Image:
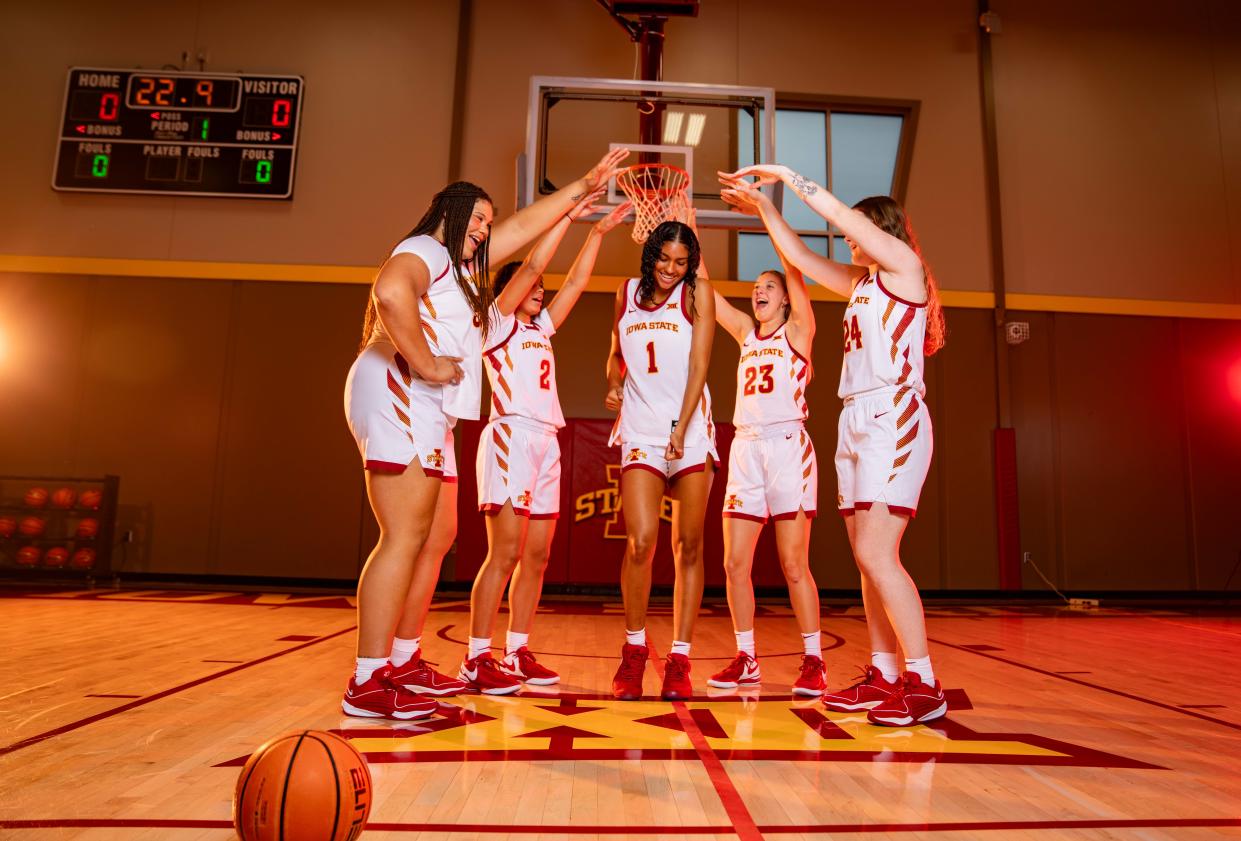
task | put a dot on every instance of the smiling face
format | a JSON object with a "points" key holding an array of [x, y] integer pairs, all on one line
{"points": [[533, 303], [479, 228], [671, 265], [769, 299], [857, 256]]}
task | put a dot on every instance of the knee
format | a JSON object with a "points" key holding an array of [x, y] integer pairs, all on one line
{"points": [[795, 568], [534, 562], [641, 547], [872, 561], [408, 540], [737, 567], [689, 547]]}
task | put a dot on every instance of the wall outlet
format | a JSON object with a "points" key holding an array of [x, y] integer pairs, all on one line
{"points": [[1083, 604]]}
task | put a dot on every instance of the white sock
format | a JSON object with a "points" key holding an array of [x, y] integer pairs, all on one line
{"points": [[921, 666], [680, 647], [514, 641], [478, 645], [367, 666], [404, 650], [812, 644], [745, 641], [887, 664], [637, 637]]}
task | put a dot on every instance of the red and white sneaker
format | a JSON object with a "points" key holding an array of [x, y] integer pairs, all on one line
{"points": [[522, 665], [742, 671], [677, 686], [868, 692], [380, 697], [912, 702], [418, 676], [483, 673], [813, 677], [627, 682]]}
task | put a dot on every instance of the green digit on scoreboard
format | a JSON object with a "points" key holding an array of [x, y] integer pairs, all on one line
{"points": [[262, 172], [99, 166]]}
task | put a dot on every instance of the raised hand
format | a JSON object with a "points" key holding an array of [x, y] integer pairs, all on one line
{"points": [[618, 214], [586, 206], [601, 173], [763, 174], [741, 195]]}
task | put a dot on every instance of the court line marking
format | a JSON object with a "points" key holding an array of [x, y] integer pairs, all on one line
{"points": [[1088, 684], [614, 829], [734, 804], [75, 725]]}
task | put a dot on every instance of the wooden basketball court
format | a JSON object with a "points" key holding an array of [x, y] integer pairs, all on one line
{"points": [[127, 714]]}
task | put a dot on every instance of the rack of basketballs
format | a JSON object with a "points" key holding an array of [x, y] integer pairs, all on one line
{"points": [[60, 525]]}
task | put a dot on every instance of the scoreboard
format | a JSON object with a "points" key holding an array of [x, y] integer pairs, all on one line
{"points": [[176, 133]]}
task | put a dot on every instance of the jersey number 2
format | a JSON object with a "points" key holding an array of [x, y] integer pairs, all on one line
{"points": [[765, 386], [853, 335], [545, 374]]}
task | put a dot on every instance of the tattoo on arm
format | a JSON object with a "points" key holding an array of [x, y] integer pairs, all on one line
{"points": [[804, 186], [577, 198]]}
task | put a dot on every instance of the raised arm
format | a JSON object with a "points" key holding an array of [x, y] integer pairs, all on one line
{"points": [[699, 360], [735, 321], [401, 282], [536, 261], [747, 198], [801, 313], [616, 360], [515, 231], [895, 257], [579, 273]]}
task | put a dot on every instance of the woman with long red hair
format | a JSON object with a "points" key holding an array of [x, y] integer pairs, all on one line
{"points": [[893, 320]]}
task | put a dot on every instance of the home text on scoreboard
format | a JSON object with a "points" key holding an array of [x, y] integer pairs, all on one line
{"points": [[177, 133]]}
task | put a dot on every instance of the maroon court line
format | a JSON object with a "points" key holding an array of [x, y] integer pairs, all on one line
{"points": [[59, 731], [1088, 684], [734, 804], [613, 829]]}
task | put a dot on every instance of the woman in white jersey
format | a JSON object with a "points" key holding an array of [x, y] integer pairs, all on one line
{"points": [[883, 453], [772, 470], [518, 465], [419, 370], [657, 373]]}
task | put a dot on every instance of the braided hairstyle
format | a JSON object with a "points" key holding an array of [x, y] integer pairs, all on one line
{"points": [[669, 232], [452, 207]]}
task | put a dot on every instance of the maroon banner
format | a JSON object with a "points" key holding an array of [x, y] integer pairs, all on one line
{"points": [[590, 534]]}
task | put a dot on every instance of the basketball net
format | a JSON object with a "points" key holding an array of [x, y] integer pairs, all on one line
{"points": [[659, 193]]}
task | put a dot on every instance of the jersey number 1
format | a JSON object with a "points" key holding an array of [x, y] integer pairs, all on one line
{"points": [[651, 367]]}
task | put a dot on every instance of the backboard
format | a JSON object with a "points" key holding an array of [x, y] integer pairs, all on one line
{"points": [[572, 121]]}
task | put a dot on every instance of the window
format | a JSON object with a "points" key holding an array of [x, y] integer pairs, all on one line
{"points": [[854, 147]]}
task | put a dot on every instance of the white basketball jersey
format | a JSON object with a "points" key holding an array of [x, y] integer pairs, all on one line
{"points": [[655, 344], [522, 370], [771, 382], [884, 335], [449, 323]]}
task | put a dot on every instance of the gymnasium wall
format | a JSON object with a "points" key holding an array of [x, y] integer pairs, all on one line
{"points": [[218, 401]]}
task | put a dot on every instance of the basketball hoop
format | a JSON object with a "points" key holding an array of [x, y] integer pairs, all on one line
{"points": [[659, 192]]}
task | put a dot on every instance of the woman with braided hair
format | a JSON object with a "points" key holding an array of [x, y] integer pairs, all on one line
{"points": [[657, 373], [419, 371]]}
